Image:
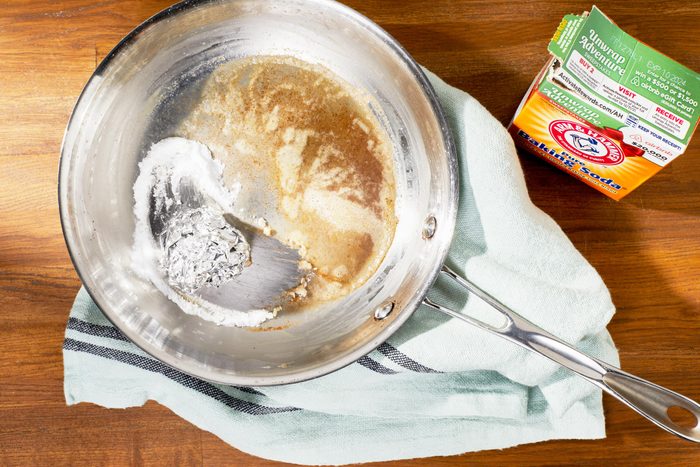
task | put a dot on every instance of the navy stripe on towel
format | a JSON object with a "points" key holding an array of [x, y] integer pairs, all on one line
{"points": [[96, 329], [114, 333], [186, 380], [403, 360], [375, 366]]}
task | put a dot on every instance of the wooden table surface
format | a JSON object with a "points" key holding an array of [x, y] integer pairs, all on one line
{"points": [[647, 247]]}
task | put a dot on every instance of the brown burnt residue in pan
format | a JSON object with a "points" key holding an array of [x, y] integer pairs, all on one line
{"points": [[320, 154]]}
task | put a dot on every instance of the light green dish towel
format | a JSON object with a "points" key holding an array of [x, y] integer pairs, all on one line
{"points": [[437, 387]]}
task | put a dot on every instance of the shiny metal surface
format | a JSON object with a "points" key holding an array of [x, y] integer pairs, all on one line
{"points": [[142, 90], [383, 311], [189, 229], [273, 267], [429, 227], [648, 399]]}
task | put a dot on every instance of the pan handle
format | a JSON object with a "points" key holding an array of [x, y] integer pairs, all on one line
{"points": [[648, 399]]}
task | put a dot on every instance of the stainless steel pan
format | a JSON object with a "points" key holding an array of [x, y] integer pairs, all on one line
{"points": [[144, 87]]}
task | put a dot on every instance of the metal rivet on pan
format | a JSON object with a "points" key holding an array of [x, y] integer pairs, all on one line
{"points": [[383, 311], [429, 227]]}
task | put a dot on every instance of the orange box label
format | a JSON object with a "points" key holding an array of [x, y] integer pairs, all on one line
{"points": [[596, 156]]}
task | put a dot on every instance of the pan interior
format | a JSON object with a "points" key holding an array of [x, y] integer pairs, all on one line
{"points": [[150, 83]]}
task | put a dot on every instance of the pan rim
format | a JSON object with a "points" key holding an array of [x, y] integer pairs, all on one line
{"points": [[341, 360]]}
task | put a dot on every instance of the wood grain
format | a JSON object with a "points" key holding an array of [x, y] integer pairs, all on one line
{"points": [[647, 247]]}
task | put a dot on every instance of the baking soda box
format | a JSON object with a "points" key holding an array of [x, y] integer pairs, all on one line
{"points": [[607, 108]]}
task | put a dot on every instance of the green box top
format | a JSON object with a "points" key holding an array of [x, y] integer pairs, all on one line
{"points": [[624, 79]]}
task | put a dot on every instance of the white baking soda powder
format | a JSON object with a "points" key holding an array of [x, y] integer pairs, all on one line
{"points": [[195, 247]]}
